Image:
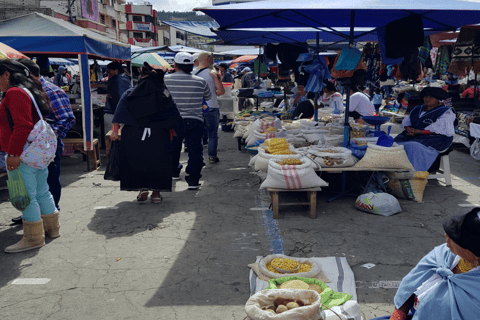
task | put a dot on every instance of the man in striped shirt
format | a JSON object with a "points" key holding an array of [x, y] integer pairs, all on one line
{"points": [[188, 92]]}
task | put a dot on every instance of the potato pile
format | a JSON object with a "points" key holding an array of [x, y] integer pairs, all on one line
{"points": [[304, 267], [281, 305]]}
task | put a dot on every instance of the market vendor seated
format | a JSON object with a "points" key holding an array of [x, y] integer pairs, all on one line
{"points": [[444, 284], [331, 98], [429, 129], [305, 109]]}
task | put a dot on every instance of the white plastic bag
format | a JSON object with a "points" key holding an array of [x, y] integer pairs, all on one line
{"points": [[291, 176], [262, 266], [475, 149], [350, 308], [264, 298], [252, 160], [383, 204]]}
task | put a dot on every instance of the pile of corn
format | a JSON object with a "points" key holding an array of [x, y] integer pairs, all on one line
{"points": [[282, 263], [270, 130], [278, 146], [289, 161]]}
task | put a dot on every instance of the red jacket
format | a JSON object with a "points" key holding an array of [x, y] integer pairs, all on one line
{"points": [[24, 116]]}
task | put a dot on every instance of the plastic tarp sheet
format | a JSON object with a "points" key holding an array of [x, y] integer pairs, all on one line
{"points": [[201, 28], [40, 34]]}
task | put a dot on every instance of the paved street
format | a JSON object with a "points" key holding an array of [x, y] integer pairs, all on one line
{"points": [[187, 257]]}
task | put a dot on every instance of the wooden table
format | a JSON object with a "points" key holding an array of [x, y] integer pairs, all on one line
{"points": [[93, 156], [311, 197]]}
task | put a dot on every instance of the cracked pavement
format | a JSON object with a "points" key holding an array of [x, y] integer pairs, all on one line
{"points": [[187, 257]]}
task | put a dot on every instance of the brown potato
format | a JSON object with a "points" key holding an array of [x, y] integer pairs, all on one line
{"points": [[281, 308]]}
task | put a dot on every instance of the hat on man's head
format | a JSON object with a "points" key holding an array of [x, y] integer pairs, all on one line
{"points": [[246, 69], [183, 58], [437, 93], [464, 230]]}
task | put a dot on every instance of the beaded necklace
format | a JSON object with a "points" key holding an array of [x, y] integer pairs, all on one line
{"points": [[464, 266]]}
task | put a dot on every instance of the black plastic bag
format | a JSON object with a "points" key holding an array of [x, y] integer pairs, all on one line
{"points": [[112, 172]]}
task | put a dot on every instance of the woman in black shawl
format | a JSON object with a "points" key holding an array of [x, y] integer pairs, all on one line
{"points": [[148, 114]]}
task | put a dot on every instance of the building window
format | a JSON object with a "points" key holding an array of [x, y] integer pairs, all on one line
{"points": [[148, 19], [138, 35], [114, 23], [102, 19], [137, 18]]}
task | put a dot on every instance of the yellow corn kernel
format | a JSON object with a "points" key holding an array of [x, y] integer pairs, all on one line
{"points": [[285, 263], [289, 161]]}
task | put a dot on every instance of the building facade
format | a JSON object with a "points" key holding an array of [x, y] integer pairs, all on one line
{"points": [[141, 25], [101, 16]]}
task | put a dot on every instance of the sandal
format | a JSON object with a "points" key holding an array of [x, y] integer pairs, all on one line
{"points": [[142, 196], [156, 199]]}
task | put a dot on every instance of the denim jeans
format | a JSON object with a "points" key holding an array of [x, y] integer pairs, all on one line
{"points": [[191, 132], [41, 200], [212, 118], [54, 169]]}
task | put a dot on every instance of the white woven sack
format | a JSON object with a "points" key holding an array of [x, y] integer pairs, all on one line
{"points": [[293, 131], [262, 266], [251, 163], [315, 130], [261, 162], [263, 136], [267, 297], [292, 176], [379, 157], [342, 158]]}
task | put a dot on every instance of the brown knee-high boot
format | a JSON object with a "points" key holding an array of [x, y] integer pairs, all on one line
{"points": [[33, 237], [51, 225]]}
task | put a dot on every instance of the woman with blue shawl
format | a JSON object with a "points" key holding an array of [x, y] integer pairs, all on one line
{"points": [[445, 284], [429, 129]]}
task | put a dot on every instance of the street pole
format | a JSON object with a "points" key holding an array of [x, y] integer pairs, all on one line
{"points": [[69, 10]]}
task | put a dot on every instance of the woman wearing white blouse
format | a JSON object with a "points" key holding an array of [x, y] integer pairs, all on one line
{"points": [[331, 98], [429, 129]]}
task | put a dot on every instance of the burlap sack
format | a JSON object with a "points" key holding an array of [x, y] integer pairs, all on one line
{"points": [[410, 186]]}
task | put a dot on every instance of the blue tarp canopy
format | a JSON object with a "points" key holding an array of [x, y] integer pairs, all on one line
{"points": [[35, 34], [439, 15], [284, 21], [201, 28]]}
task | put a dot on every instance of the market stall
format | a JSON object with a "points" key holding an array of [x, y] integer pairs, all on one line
{"points": [[37, 35]]}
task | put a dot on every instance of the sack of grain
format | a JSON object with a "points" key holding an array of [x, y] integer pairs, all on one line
{"points": [[315, 270], [289, 177], [378, 157], [383, 204], [262, 299], [257, 135], [261, 162], [331, 157], [409, 185]]}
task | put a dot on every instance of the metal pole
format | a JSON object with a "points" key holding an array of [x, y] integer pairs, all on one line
{"points": [[317, 94], [346, 125]]}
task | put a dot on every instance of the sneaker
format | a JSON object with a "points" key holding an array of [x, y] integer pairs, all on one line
{"points": [[194, 186], [212, 160], [176, 172]]}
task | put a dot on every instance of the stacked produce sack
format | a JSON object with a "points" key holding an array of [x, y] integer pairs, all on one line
{"points": [[294, 292], [276, 148], [324, 156]]}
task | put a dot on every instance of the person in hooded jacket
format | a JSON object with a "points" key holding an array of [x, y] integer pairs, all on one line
{"points": [[61, 78], [118, 83]]}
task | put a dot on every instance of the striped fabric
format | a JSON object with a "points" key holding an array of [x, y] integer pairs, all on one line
{"points": [[188, 92]]}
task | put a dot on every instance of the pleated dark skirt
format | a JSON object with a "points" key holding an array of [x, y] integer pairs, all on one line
{"points": [[145, 164]]}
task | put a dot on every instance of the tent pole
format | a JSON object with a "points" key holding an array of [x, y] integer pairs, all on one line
{"points": [[346, 129], [87, 111], [317, 94]]}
